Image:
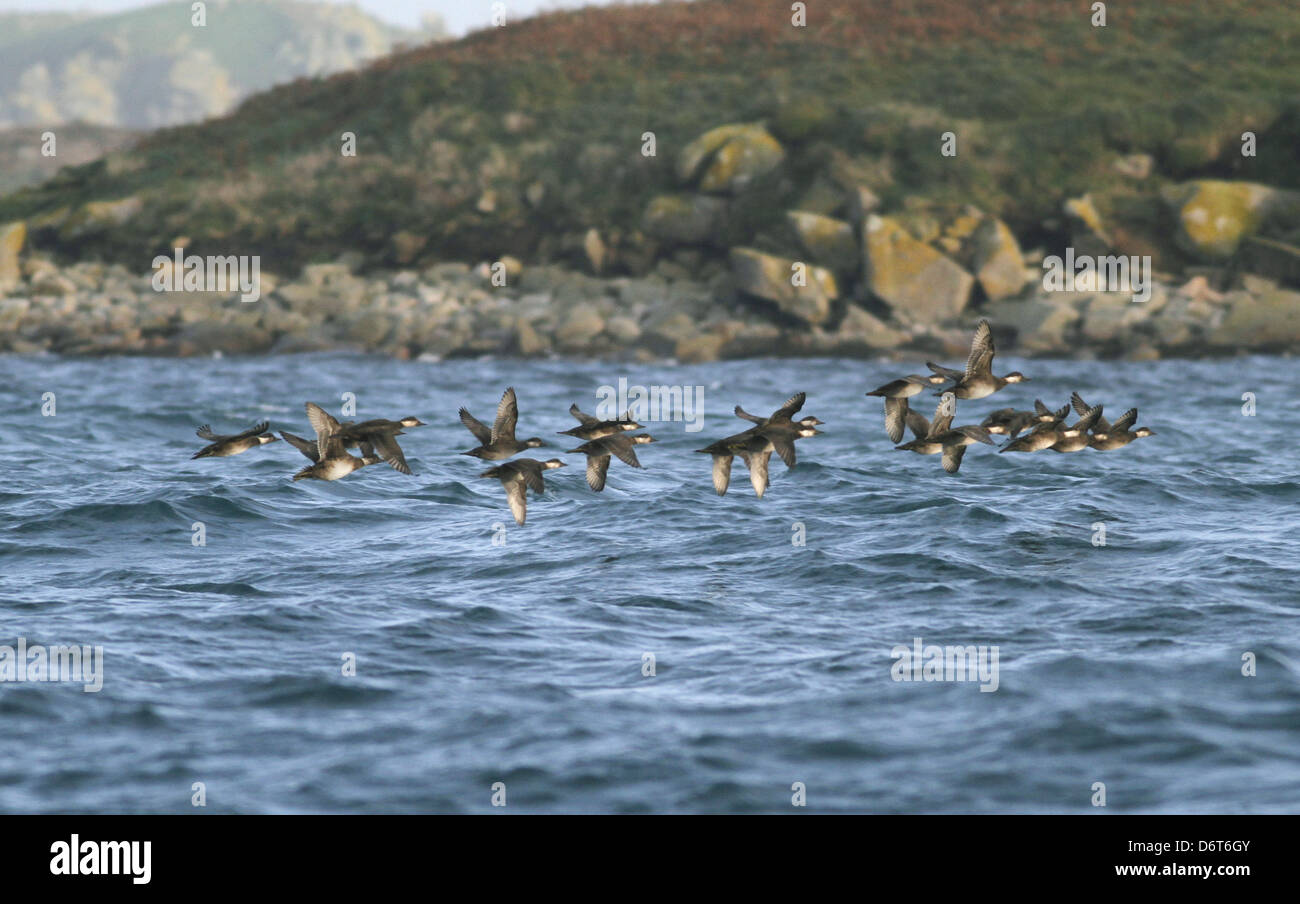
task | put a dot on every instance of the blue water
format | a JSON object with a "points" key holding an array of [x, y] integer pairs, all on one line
{"points": [[522, 663]]}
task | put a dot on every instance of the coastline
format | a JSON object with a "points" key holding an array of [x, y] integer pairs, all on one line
{"points": [[454, 310]]}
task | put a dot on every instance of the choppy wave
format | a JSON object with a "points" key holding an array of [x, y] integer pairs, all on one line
{"points": [[523, 663]]}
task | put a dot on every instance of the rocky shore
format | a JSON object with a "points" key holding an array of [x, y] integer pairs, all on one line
{"points": [[1143, 270], [454, 310]]}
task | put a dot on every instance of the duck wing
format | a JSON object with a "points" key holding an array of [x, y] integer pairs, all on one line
{"points": [[482, 432], [507, 417], [533, 478], [757, 463], [981, 351], [256, 430], [917, 423], [585, 419], [1081, 407], [752, 418], [328, 444], [623, 447], [1088, 420], [946, 372], [385, 444], [722, 473], [895, 418], [952, 456], [305, 446], [205, 432], [517, 498], [782, 443], [1125, 421], [597, 470], [791, 406]]}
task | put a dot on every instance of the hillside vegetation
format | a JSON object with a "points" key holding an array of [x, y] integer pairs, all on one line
{"points": [[522, 140]]}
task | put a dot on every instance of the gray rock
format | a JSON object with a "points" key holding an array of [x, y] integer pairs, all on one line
{"points": [[830, 242], [772, 278], [1268, 321], [996, 258]]}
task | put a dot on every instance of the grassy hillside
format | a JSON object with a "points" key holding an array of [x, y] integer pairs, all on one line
{"points": [[21, 161], [518, 140]]}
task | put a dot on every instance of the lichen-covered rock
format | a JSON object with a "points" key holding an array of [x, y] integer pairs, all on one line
{"points": [[1088, 234], [805, 295], [1214, 216], [593, 246], [919, 284], [685, 219], [995, 256], [730, 157], [830, 242], [12, 237]]}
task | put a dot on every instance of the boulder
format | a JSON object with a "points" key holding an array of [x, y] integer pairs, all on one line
{"points": [[702, 347], [1215, 216], [1110, 316], [995, 256], [593, 246], [772, 278], [527, 342], [1088, 234], [828, 241], [12, 312], [12, 237], [623, 330], [685, 219], [1043, 326], [728, 158], [1269, 320], [862, 330], [581, 325], [919, 284]]}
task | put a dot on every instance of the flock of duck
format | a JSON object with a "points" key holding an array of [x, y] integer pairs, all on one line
{"points": [[601, 441]]}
